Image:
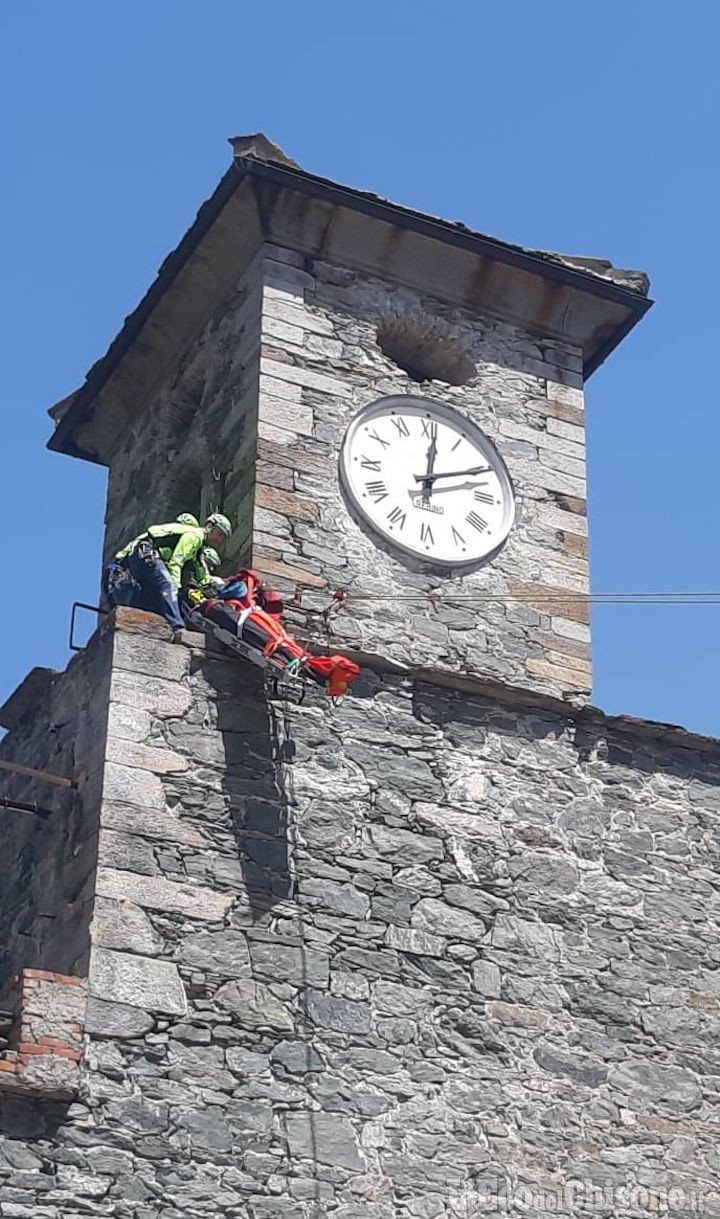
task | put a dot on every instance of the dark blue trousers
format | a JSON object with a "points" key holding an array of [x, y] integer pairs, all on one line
{"points": [[156, 592]]}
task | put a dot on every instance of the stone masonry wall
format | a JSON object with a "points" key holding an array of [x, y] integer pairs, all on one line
{"points": [[49, 863], [383, 960], [320, 363], [192, 448]]}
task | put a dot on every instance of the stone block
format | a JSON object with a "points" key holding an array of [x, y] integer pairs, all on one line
{"points": [[653, 1085], [486, 978], [552, 517], [285, 571], [153, 657], [566, 394], [287, 308], [138, 691], [566, 676], [552, 600], [298, 966], [145, 757], [344, 1016], [403, 846], [343, 899], [128, 785], [127, 852], [293, 375], [567, 431], [436, 917], [156, 893], [245, 1063], [116, 1020], [573, 544], [576, 1067], [579, 631], [418, 943], [395, 999], [150, 823], [280, 389], [285, 413], [128, 723], [216, 952], [143, 982], [254, 1005], [207, 1129], [517, 1014], [566, 465], [323, 1137], [526, 937], [297, 1057], [563, 410], [124, 926], [285, 502], [452, 821], [314, 460]]}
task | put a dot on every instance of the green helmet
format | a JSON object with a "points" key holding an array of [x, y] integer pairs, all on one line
{"points": [[187, 518], [217, 521], [210, 558]]}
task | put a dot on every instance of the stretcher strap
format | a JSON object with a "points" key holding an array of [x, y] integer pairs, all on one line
{"points": [[242, 616], [272, 645]]}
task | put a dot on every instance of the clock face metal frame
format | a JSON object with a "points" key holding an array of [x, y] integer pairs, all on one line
{"points": [[462, 523]]}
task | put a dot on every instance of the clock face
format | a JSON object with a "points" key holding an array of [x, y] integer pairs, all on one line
{"points": [[427, 481]]}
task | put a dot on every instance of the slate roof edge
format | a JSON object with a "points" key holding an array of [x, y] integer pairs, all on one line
{"points": [[547, 265]]}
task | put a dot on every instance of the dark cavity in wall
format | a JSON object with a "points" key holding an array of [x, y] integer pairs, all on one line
{"points": [[424, 348], [185, 492]]}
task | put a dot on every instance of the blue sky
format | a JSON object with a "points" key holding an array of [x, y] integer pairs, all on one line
{"points": [[589, 129]]}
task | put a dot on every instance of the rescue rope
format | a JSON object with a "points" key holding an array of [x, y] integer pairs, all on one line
{"points": [[570, 595]]}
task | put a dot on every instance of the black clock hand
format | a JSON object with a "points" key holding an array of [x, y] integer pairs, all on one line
{"points": [[427, 481], [422, 478]]}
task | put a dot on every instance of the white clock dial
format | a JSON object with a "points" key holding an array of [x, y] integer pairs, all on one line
{"points": [[427, 481]]}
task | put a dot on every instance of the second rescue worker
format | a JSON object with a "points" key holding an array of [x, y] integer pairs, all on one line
{"points": [[155, 561]]}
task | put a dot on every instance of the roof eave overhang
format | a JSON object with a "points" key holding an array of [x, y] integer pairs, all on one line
{"points": [[78, 410]]}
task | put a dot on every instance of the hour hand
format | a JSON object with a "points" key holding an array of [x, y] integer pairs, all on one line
{"points": [[427, 478], [430, 478]]}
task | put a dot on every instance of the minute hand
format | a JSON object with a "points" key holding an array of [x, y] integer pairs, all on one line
{"points": [[419, 478]]}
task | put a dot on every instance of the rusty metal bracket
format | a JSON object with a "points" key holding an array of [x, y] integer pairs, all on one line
{"points": [[22, 806], [43, 776]]}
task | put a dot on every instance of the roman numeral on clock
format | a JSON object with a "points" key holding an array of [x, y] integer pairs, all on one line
{"points": [[426, 534], [374, 436], [401, 426], [377, 491], [367, 464], [397, 517], [484, 497], [429, 429], [476, 521], [458, 538]]}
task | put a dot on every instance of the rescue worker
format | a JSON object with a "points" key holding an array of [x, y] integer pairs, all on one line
{"points": [[199, 571], [155, 561]]}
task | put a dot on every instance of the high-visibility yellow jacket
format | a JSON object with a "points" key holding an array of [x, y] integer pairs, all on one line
{"points": [[177, 545]]}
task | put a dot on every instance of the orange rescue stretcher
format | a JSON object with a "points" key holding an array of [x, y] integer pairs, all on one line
{"points": [[245, 616]]}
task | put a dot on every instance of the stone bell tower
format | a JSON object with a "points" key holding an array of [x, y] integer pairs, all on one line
{"points": [[291, 304], [442, 950]]}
